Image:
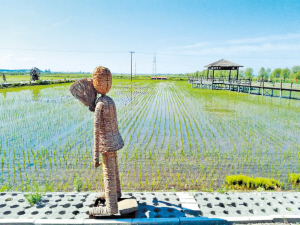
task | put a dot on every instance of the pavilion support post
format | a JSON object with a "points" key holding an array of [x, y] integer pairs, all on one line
{"points": [[212, 83], [237, 74], [229, 78], [249, 86], [207, 74]]}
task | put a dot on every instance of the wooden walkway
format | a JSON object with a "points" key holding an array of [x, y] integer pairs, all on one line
{"points": [[246, 86]]}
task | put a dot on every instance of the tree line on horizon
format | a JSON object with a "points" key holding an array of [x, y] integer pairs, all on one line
{"points": [[263, 74]]}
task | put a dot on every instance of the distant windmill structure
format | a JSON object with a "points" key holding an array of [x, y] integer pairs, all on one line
{"points": [[154, 74]]}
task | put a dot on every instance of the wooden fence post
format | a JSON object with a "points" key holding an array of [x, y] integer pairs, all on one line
{"points": [[280, 88]]}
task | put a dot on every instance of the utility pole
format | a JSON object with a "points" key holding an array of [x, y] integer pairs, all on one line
{"points": [[135, 69], [131, 65], [154, 66]]}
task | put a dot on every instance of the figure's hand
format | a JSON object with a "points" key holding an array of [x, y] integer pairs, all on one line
{"points": [[97, 164]]}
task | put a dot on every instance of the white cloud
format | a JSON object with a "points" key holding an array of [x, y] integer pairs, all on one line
{"points": [[59, 23], [6, 56], [200, 44], [270, 38], [28, 59], [273, 45]]}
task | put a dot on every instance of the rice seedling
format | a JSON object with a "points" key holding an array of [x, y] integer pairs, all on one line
{"points": [[168, 128]]}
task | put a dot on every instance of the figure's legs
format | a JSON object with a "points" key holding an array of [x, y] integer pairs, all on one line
{"points": [[117, 176], [110, 186], [101, 195]]}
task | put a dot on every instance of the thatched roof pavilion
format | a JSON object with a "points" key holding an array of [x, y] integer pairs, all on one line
{"points": [[223, 64]]}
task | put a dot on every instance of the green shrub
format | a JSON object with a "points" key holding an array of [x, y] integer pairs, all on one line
{"points": [[243, 181], [15, 85], [77, 184], [5, 188], [295, 178], [33, 198]]}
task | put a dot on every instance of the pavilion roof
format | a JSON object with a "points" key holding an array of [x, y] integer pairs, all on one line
{"points": [[224, 63]]}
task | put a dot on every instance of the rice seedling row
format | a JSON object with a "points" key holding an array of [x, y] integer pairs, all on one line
{"points": [[176, 138]]}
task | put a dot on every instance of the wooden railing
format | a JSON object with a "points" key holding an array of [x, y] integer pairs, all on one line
{"points": [[220, 80], [234, 81]]}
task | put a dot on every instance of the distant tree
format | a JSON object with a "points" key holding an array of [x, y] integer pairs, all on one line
{"points": [[262, 73], [248, 73], [204, 73], [224, 73], [295, 69], [285, 73], [276, 73], [268, 72], [233, 73], [34, 74], [218, 73], [297, 75], [241, 73]]}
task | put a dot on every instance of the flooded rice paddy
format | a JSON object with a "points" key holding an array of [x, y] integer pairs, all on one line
{"points": [[176, 137]]}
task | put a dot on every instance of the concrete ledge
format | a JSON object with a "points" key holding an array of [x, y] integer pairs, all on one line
{"points": [[286, 218], [58, 221], [261, 219], [107, 221], [201, 220], [158, 221], [17, 221], [245, 220]]}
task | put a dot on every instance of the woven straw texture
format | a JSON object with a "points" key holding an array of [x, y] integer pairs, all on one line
{"points": [[106, 133], [107, 139], [34, 74], [3, 77], [111, 185], [84, 91], [102, 79]]}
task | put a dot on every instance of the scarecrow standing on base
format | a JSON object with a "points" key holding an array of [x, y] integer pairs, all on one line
{"points": [[107, 139]]}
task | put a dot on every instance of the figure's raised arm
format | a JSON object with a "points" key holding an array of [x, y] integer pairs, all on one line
{"points": [[97, 122], [84, 91]]}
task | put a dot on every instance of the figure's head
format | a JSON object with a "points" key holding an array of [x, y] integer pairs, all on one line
{"points": [[102, 80]]}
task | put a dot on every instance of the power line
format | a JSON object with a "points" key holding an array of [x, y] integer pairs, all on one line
{"points": [[167, 54]]}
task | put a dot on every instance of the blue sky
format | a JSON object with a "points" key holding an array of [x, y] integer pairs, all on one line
{"points": [[185, 35]]}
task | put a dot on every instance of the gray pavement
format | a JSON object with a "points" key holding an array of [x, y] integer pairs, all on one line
{"points": [[158, 207]]}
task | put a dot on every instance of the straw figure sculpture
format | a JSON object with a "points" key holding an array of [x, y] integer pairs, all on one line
{"points": [[107, 139], [34, 74], [3, 77]]}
